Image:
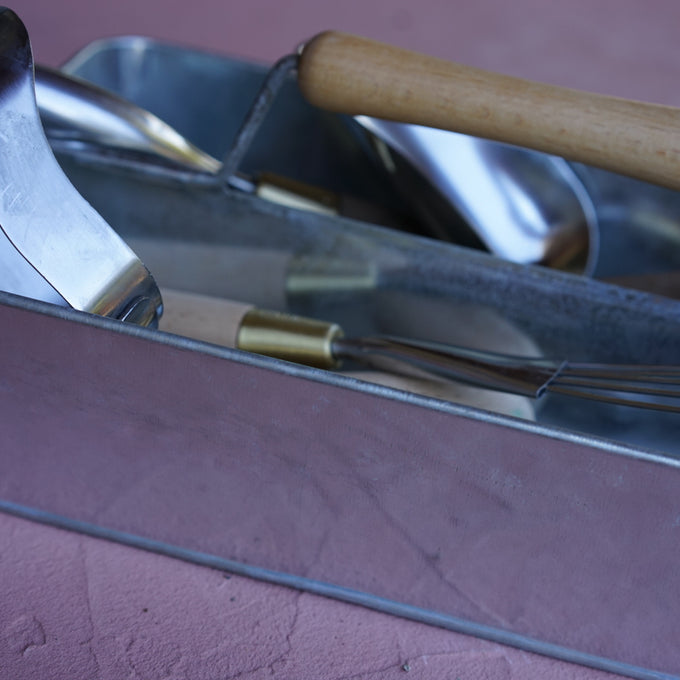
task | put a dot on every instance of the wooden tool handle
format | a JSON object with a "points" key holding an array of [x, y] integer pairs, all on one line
{"points": [[353, 75], [202, 317]]}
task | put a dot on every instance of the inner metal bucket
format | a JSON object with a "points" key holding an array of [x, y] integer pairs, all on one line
{"points": [[346, 270]]}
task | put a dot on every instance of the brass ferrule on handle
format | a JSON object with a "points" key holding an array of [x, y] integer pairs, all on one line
{"points": [[288, 337]]}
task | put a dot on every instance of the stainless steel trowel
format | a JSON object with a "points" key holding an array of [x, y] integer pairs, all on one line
{"points": [[53, 245]]}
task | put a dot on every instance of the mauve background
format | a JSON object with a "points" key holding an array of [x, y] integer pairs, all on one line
{"points": [[76, 607], [622, 47]]}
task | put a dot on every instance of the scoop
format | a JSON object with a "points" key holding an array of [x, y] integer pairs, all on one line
{"points": [[522, 205]]}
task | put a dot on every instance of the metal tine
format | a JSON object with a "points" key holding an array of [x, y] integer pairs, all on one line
{"points": [[613, 399], [611, 383], [506, 373], [654, 371], [642, 379], [617, 385], [601, 382], [607, 382], [630, 376]]}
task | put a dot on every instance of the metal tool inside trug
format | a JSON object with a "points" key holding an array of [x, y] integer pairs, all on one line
{"points": [[53, 245], [323, 345], [521, 205]]}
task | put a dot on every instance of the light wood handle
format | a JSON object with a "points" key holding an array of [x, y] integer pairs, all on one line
{"points": [[353, 75], [202, 317]]}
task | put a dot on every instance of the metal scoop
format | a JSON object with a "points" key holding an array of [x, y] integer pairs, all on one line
{"points": [[524, 206], [53, 245]]}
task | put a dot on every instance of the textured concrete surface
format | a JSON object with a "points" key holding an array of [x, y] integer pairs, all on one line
{"points": [[77, 607]]}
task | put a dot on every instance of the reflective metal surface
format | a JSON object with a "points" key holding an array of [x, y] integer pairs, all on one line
{"points": [[53, 245], [653, 387], [538, 538], [79, 112], [635, 221], [524, 206]]}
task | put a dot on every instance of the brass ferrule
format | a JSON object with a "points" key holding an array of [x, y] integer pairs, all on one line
{"points": [[288, 337]]}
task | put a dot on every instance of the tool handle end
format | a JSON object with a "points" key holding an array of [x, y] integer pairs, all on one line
{"points": [[353, 75]]}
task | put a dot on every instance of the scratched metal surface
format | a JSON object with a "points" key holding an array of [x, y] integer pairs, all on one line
{"points": [[457, 513], [132, 613]]}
